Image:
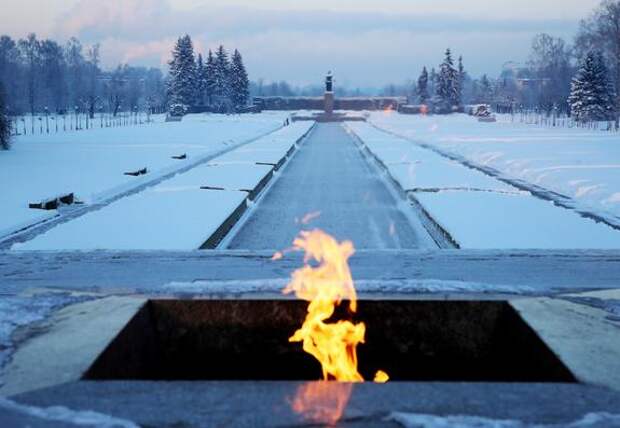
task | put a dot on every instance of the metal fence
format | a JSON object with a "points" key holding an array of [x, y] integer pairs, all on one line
{"points": [[50, 123], [559, 120]]}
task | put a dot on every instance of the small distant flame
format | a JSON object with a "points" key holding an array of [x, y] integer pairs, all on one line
{"points": [[424, 109], [381, 377], [310, 216]]}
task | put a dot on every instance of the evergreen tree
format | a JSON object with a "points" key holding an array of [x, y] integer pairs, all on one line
{"points": [[182, 83], [447, 85], [5, 127], [591, 96], [210, 77], [423, 95], [221, 74], [201, 81], [239, 82]]}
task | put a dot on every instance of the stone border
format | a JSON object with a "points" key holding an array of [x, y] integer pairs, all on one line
{"points": [[220, 233], [441, 236]]}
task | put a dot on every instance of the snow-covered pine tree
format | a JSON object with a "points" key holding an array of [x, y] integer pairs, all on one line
{"points": [[423, 94], [239, 82], [210, 77], [221, 77], [447, 85], [5, 126], [201, 81], [591, 96], [182, 82]]}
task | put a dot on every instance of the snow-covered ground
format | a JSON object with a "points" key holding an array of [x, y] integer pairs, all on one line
{"points": [[579, 163], [92, 163], [180, 213], [479, 211]]}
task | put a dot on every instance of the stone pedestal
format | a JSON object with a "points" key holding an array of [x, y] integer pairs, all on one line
{"points": [[329, 103]]}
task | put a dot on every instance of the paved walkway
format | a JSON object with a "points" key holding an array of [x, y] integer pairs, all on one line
{"points": [[330, 176]]}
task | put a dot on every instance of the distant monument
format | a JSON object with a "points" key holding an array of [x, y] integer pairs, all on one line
{"points": [[329, 94]]}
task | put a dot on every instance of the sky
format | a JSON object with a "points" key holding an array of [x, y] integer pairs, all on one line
{"points": [[366, 43]]}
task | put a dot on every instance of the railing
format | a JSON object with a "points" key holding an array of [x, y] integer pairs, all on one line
{"points": [[40, 124], [559, 120]]}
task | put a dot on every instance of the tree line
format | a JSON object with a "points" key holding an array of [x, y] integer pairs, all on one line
{"points": [[219, 82], [43, 76], [581, 79]]}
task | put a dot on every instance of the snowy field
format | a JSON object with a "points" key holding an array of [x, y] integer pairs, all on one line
{"points": [[579, 163], [477, 210], [92, 163], [180, 213]]}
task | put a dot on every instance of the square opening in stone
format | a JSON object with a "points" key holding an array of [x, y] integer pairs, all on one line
{"points": [[248, 340]]}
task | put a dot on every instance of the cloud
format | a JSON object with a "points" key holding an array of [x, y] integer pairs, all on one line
{"points": [[368, 46]]}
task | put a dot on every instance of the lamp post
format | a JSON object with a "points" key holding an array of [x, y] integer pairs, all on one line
{"points": [[47, 120]]}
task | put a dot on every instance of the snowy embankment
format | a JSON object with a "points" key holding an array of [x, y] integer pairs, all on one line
{"points": [[477, 210], [581, 164], [92, 164], [180, 213]]}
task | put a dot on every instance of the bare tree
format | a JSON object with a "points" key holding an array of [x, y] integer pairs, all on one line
{"points": [[53, 74], [92, 72], [550, 65], [30, 51]]}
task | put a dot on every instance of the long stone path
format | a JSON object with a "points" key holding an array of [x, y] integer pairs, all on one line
{"points": [[331, 186]]}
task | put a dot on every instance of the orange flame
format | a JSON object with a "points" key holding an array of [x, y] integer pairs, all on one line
{"points": [[325, 286]]}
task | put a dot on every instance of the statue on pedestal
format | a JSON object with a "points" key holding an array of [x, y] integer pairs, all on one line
{"points": [[329, 94], [329, 82]]}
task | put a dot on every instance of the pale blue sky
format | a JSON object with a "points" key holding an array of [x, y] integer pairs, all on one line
{"points": [[366, 43]]}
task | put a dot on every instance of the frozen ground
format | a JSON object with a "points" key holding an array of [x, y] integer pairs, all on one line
{"points": [[579, 163], [477, 210], [92, 163], [180, 213]]}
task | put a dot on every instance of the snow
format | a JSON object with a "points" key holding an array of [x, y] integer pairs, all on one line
{"points": [[405, 286], [579, 163], [227, 176], [414, 420], [175, 214], [92, 163], [478, 210], [64, 415], [485, 220], [148, 220]]}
